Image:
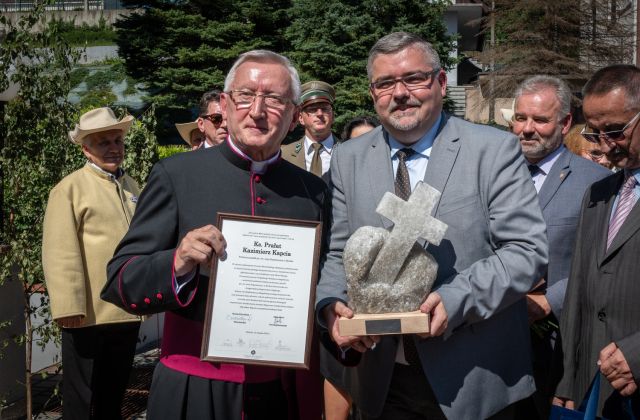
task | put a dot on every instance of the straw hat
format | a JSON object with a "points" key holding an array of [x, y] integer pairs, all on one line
{"points": [[507, 113], [185, 130], [96, 120]]}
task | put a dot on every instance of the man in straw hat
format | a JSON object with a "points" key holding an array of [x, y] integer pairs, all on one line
{"points": [[162, 263], [313, 151], [191, 134], [88, 213]]}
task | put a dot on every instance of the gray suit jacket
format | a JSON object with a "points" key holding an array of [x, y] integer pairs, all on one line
{"points": [[494, 251], [601, 304], [560, 199]]}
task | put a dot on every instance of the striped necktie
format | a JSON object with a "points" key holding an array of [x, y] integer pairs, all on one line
{"points": [[626, 201]]}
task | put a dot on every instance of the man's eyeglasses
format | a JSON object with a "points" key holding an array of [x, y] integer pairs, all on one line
{"points": [[313, 108], [610, 136], [245, 98], [418, 80], [216, 119]]}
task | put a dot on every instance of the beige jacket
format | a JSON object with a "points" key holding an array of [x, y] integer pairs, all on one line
{"points": [[87, 215]]}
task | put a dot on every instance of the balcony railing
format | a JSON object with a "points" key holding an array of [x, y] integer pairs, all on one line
{"points": [[60, 5]]}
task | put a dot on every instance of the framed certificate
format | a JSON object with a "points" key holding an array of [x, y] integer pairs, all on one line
{"points": [[260, 305]]}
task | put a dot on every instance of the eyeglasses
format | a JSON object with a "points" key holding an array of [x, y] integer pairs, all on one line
{"points": [[245, 98], [313, 108], [415, 81], [216, 119], [610, 136]]}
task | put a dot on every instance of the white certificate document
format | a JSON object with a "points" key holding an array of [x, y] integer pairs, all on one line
{"points": [[261, 296]]}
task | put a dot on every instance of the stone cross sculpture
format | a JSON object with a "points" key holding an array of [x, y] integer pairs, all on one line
{"points": [[389, 271]]}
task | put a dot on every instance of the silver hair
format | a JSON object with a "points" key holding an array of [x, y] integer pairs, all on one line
{"points": [[539, 82], [398, 41], [267, 56]]}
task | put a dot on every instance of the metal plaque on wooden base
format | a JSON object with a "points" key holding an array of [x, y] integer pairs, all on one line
{"points": [[385, 324]]}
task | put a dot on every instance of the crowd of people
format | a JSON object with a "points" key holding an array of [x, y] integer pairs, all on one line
{"points": [[536, 289]]}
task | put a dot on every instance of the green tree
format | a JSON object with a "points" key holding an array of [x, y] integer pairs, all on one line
{"points": [[182, 49], [330, 41], [37, 154]]}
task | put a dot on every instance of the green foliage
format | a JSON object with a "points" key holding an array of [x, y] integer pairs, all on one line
{"points": [[85, 35], [328, 43], [141, 151], [97, 98], [170, 150], [36, 154], [182, 49]]}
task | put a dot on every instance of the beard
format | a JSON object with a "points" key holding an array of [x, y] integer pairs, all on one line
{"points": [[540, 148], [411, 120]]}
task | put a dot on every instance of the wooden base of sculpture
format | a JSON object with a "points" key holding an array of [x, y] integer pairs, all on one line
{"points": [[385, 324]]}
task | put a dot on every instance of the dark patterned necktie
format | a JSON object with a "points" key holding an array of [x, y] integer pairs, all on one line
{"points": [[316, 161], [533, 170], [403, 183], [403, 190]]}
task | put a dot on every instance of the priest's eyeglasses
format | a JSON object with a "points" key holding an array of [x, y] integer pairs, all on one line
{"points": [[415, 81], [245, 98], [609, 136]]}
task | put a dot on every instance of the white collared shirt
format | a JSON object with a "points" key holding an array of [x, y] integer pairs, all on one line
{"points": [[417, 168], [325, 152], [417, 163], [545, 166]]}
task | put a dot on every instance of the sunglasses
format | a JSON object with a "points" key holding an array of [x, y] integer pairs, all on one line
{"points": [[216, 119], [610, 136]]}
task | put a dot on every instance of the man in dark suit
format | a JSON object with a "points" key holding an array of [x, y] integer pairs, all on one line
{"points": [[600, 322], [210, 121], [542, 117], [313, 151], [476, 362], [162, 262]]}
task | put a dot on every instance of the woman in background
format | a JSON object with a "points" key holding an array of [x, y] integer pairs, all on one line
{"points": [[358, 126]]}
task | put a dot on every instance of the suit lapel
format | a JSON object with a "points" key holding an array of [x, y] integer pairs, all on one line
{"points": [[605, 205], [556, 176], [628, 228], [381, 176], [443, 156], [297, 154]]}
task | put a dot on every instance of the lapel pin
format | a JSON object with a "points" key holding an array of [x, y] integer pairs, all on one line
{"points": [[298, 147]]}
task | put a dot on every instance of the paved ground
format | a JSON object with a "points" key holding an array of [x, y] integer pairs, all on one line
{"points": [[46, 403]]}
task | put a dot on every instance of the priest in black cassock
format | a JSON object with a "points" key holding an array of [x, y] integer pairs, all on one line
{"points": [[160, 265]]}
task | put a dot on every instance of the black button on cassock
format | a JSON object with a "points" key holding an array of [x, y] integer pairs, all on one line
{"points": [[602, 315]]}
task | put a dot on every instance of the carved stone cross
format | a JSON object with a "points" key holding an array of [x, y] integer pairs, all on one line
{"points": [[412, 220]]}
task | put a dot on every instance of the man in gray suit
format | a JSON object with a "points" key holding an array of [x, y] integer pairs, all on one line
{"points": [[542, 117], [600, 322], [475, 363]]}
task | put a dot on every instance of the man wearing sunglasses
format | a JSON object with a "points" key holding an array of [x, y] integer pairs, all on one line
{"points": [[600, 322], [475, 362], [541, 119], [163, 263], [210, 121]]}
